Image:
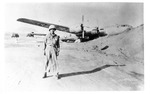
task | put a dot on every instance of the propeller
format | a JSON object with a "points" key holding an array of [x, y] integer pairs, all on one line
{"points": [[82, 19], [82, 26], [97, 26]]}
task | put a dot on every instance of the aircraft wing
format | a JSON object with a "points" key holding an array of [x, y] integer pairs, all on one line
{"points": [[43, 24], [40, 34]]}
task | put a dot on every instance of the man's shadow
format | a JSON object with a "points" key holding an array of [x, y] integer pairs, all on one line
{"points": [[86, 72]]}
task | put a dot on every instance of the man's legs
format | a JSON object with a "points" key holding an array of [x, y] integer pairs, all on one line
{"points": [[51, 67], [55, 64], [47, 65]]}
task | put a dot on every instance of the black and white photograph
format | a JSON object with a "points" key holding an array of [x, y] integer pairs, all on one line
{"points": [[74, 46]]}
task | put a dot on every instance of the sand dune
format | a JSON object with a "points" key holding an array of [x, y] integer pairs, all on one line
{"points": [[128, 42]]}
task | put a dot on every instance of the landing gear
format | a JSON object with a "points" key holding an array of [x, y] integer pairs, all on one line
{"points": [[78, 41]]}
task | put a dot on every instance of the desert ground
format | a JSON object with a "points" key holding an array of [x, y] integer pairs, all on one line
{"points": [[111, 63]]}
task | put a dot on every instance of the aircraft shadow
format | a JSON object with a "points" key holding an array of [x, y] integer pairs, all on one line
{"points": [[86, 72]]}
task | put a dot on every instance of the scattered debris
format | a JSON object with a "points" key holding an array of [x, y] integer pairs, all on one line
{"points": [[30, 34], [15, 35], [104, 48]]}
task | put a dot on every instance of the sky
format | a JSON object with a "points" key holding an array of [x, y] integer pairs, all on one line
{"points": [[70, 14]]}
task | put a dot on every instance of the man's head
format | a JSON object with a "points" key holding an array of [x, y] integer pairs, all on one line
{"points": [[52, 29]]}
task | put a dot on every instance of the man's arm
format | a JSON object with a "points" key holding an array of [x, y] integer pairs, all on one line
{"points": [[45, 45], [58, 43]]}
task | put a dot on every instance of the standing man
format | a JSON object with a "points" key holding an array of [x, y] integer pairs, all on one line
{"points": [[51, 50]]}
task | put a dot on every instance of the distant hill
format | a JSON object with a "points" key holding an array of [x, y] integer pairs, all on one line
{"points": [[115, 29]]}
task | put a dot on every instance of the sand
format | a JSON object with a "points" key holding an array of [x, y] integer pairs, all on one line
{"points": [[114, 62]]}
